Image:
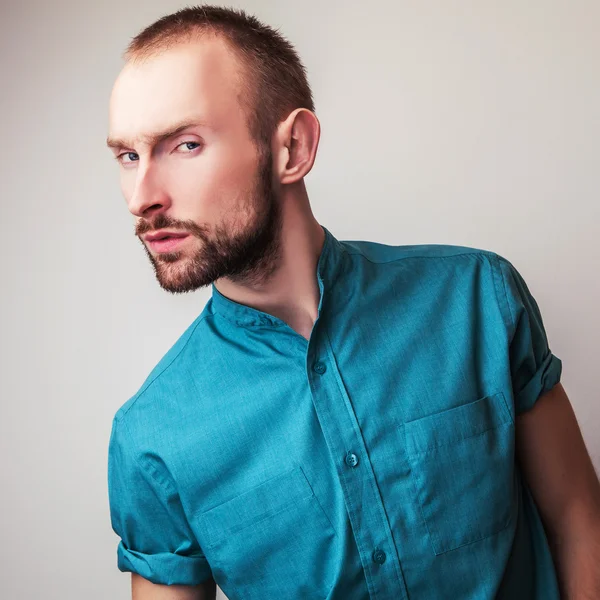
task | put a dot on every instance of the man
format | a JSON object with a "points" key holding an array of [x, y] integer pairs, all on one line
{"points": [[343, 420]]}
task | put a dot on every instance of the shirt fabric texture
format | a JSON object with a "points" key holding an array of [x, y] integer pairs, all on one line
{"points": [[374, 461]]}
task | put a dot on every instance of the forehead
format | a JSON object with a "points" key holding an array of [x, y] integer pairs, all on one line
{"points": [[199, 78]]}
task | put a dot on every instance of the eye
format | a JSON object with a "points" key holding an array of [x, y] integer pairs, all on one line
{"points": [[187, 144], [121, 157]]}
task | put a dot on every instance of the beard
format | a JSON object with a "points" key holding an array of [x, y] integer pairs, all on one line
{"points": [[244, 252]]}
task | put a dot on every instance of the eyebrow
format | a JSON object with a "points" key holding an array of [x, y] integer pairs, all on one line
{"points": [[157, 137]]}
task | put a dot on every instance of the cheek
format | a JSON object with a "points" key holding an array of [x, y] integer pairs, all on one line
{"points": [[216, 180], [195, 189], [127, 183]]}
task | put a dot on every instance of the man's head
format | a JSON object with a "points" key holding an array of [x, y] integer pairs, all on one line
{"points": [[207, 95]]}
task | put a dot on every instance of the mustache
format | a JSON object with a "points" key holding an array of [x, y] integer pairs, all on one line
{"points": [[163, 222]]}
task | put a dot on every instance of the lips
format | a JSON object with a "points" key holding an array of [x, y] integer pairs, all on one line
{"points": [[165, 241], [164, 235]]}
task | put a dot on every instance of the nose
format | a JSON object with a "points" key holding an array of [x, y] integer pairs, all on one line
{"points": [[149, 196]]}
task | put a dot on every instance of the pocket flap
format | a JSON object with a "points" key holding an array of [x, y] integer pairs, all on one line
{"points": [[456, 423], [266, 499]]}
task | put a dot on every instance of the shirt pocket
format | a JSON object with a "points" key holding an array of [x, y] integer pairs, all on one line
{"points": [[273, 540], [462, 468]]}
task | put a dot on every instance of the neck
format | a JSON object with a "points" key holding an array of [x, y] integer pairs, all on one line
{"points": [[291, 293]]}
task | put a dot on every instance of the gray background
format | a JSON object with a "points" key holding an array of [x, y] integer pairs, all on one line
{"points": [[473, 123]]}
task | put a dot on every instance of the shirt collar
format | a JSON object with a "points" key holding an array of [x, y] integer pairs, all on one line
{"points": [[328, 268]]}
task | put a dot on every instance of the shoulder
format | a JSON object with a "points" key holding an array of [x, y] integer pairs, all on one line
{"points": [[381, 253], [160, 384], [450, 274]]}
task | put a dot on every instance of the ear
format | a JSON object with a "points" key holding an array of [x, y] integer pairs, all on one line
{"points": [[295, 145]]}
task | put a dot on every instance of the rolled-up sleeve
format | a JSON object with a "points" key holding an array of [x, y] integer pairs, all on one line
{"points": [[534, 368], [146, 513]]}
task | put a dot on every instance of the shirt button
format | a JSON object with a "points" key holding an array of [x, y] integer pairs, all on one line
{"points": [[351, 459], [319, 368], [379, 556]]}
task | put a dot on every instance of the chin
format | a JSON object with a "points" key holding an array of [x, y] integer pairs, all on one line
{"points": [[177, 278]]}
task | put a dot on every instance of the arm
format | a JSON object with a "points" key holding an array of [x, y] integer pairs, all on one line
{"points": [[157, 541], [142, 589], [559, 472]]}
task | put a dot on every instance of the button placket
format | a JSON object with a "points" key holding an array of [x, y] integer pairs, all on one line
{"points": [[342, 432]]}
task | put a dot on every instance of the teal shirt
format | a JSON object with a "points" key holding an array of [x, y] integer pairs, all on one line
{"points": [[375, 460]]}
